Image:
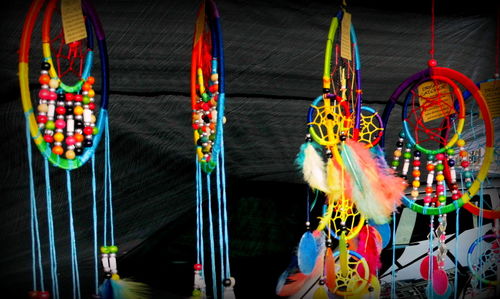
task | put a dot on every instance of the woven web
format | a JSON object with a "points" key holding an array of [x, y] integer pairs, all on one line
{"points": [[487, 263], [330, 121], [345, 213], [370, 128]]}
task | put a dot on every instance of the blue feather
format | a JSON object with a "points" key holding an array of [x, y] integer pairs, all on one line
{"points": [[299, 160], [105, 290], [307, 253]]}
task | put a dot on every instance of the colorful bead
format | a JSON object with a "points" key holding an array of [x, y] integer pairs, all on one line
{"points": [[90, 80], [198, 267], [70, 154], [416, 173], [440, 157], [54, 83], [414, 193], [41, 119], [58, 150], [395, 163], [417, 163], [60, 124], [439, 177], [439, 167], [397, 153], [50, 125], [407, 155], [416, 184], [430, 167], [78, 110], [44, 79], [465, 164], [48, 138], [58, 137], [460, 143], [91, 93], [442, 198]]}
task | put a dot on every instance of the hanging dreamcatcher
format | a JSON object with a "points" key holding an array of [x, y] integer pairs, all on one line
{"points": [[207, 100], [435, 161], [69, 120], [336, 161]]}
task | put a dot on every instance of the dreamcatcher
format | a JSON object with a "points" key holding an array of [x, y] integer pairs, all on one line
{"points": [[207, 100], [435, 160], [66, 128], [356, 182]]}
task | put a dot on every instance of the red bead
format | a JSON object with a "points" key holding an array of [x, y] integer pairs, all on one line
{"points": [[440, 156], [428, 190], [70, 140], [78, 137], [197, 267], [44, 94], [455, 196], [90, 80], [70, 97], [86, 86], [60, 110], [432, 62], [465, 164], [52, 96], [415, 173], [430, 167], [427, 199], [213, 88], [41, 119], [196, 126], [43, 295], [91, 105], [205, 106], [44, 79], [48, 138], [416, 163], [33, 294], [88, 130], [60, 124], [78, 97], [440, 188], [205, 128]]}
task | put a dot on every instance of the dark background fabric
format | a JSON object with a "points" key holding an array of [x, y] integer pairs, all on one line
{"points": [[274, 62]]}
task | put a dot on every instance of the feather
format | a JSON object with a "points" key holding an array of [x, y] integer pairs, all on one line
{"points": [[330, 275], [320, 293], [292, 280], [370, 247], [333, 179], [310, 162], [129, 289], [375, 191], [307, 253], [105, 290]]}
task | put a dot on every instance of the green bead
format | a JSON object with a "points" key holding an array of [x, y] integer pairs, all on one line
{"points": [[196, 293], [204, 139], [450, 151], [402, 134], [104, 249], [395, 163], [86, 100], [431, 157], [439, 167], [113, 249], [211, 137], [200, 131], [467, 174], [50, 125], [468, 184], [95, 130], [407, 155], [442, 198], [205, 97]]}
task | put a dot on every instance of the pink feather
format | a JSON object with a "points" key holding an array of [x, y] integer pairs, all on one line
{"points": [[370, 247], [386, 189]]}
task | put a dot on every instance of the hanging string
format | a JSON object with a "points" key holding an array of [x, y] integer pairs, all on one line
{"points": [[94, 221], [221, 236], [431, 257], [35, 232], [198, 211], [199, 194], [393, 271], [50, 222], [457, 234], [74, 259], [432, 31], [212, 245], [224, 203], [107, 161], [480, 224]]}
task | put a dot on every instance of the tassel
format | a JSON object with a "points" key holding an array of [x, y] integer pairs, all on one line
{"points": [[310, 162], [105, 290], [229, 290], [375, 191], [116, 288], [370, 247], [320, 293], [330, 275]]}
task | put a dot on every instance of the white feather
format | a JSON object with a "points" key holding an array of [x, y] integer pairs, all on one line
{"points": [[313, 169]]}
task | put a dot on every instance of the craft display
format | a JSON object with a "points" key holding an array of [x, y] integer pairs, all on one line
{"points": [[207, 102]]}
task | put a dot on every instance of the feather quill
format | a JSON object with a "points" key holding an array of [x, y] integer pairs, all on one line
{"points": [[310, 162], [376, 191]]}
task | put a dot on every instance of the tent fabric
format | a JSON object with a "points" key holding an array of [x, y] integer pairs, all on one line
{"points": [[274, 62]]}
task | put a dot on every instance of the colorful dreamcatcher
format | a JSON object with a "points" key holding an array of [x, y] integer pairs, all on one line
{"points": [[356, 182], [431, 153], [69, 120], [207, 100]]}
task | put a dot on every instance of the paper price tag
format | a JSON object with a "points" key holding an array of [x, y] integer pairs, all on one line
{"points": [[429, 96], [72, 21], [345, 38]]}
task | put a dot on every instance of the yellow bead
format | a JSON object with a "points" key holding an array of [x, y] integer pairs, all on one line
{"points": [[414, 193], [115, 277], [439, 177], [70, 155], [397, 153], [58, 137], [43, 108], [214, 77], [416, 184], [91, 93], [92, 118], [78, 110], [54, 83], [461, 142]]}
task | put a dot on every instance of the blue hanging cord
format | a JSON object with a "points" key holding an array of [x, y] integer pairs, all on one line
{"points": [[221, 236], [224, 203], [74, 260], [35, 234], [457, 235], [393, 271], [212, 246], [94, 221], [199, 190], [431, 257], [50, 222], [107, 155], [480, 232], [198, 237]]}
